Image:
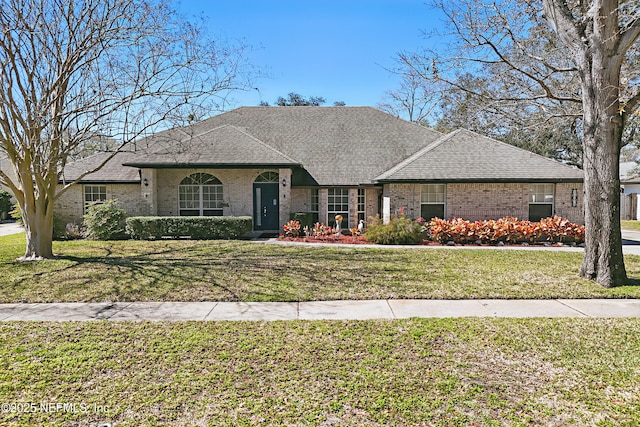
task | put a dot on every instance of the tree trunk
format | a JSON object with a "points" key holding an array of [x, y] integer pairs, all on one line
{"points": [[603, 259], [38, 225]]}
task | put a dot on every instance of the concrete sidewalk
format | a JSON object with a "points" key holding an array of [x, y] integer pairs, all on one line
{"points": [[8, 228], [317, 310]]}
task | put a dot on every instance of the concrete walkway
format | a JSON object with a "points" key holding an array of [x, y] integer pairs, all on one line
{"points": [[7, 228], [316, 310]]}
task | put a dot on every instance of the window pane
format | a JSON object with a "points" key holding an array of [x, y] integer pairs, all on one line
{"points": [[268, 177], [432, 193], [541, 193], [338, 200], [94, 194], [429, 211], [200, 194], [189, 196], [211, 196], [314, 200]]}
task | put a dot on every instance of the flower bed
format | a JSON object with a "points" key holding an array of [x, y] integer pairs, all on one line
{"points": [[554, 230], [506, 230]]}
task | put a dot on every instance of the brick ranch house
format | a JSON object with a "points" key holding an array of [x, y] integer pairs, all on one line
{"points": [[272, 162]]}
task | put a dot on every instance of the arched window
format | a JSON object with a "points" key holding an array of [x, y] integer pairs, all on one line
{"points": [[200, 194], [267, 177]]}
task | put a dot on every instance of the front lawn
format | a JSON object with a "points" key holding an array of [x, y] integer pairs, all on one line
{"points": [[183, 270], [630, 225], [432, 372]]}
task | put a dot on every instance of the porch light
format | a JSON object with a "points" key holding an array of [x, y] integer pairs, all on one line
{"points": [[284, 182], [145, 182], [574, 197]]}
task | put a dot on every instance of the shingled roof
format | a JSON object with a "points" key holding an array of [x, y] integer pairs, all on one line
{"points": [[222, 146], [112, 171], [465, 156], [336, 146]]}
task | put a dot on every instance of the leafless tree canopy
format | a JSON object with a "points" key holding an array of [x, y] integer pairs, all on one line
{"points": [[72, 71], [533, 63]]}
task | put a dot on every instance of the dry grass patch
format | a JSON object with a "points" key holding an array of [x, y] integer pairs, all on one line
{"points": [[466, 372]]}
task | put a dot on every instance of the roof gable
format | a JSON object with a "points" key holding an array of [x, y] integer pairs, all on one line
{"points": [[336, 145], [221, 146], [465, 156]]}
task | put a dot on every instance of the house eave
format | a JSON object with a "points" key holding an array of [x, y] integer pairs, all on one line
{"points": [[99, 181], [480, 181], [212, 165]]}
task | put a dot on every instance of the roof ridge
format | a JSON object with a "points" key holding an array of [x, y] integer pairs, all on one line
{"points": [[237, 129], [259, 141]]}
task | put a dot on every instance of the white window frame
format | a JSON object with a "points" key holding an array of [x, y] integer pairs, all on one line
{"points": [[548, 192], [331, 205], [97, 194], [362, 204], [199, 195], [436, 197]]}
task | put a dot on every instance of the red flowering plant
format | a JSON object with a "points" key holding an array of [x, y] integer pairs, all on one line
{"points": [[292, 229], [506, 229], [321, 231]]}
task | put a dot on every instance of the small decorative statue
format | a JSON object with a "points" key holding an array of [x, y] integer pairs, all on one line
{"points": [[338, 223]]}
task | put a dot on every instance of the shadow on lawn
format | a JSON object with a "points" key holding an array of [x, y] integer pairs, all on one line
{"points": [[155, 275], [197, 272]]}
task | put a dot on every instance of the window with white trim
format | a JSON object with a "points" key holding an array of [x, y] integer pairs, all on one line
{"points": [[315, 205], [200, 194], [541, 197], [268, 177], [94, 194], [361, 204], [338, 204], [432, 198]]}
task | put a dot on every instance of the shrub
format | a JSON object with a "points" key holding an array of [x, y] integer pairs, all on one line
{"points": [[16, 213], [292, 229], [321, 231], [194, 227], [5, 204], [399, 231], [105, 221], [506, 229]]}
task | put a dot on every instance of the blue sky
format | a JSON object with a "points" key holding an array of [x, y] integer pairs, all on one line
{"points": [[329, 48]]}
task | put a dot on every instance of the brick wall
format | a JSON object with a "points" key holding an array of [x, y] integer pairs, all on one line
{"points": [[404, 197], [371, 200], [563, 206], [487, 201], [237, 189], [301, 200], [70, 206], [476, 202]]}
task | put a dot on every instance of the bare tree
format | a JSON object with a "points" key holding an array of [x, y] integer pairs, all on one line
{"points": [[583, 69], [414, 99], [599, 35], [74, 69], [296, 100]]}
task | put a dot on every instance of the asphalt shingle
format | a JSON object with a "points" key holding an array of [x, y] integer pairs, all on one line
{"points": [[335, 145], [465, 156]]}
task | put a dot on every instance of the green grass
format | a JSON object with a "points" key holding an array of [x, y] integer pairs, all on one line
{"points": [[464, 372], [434, 372], [170, 270], [630, 225]]}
